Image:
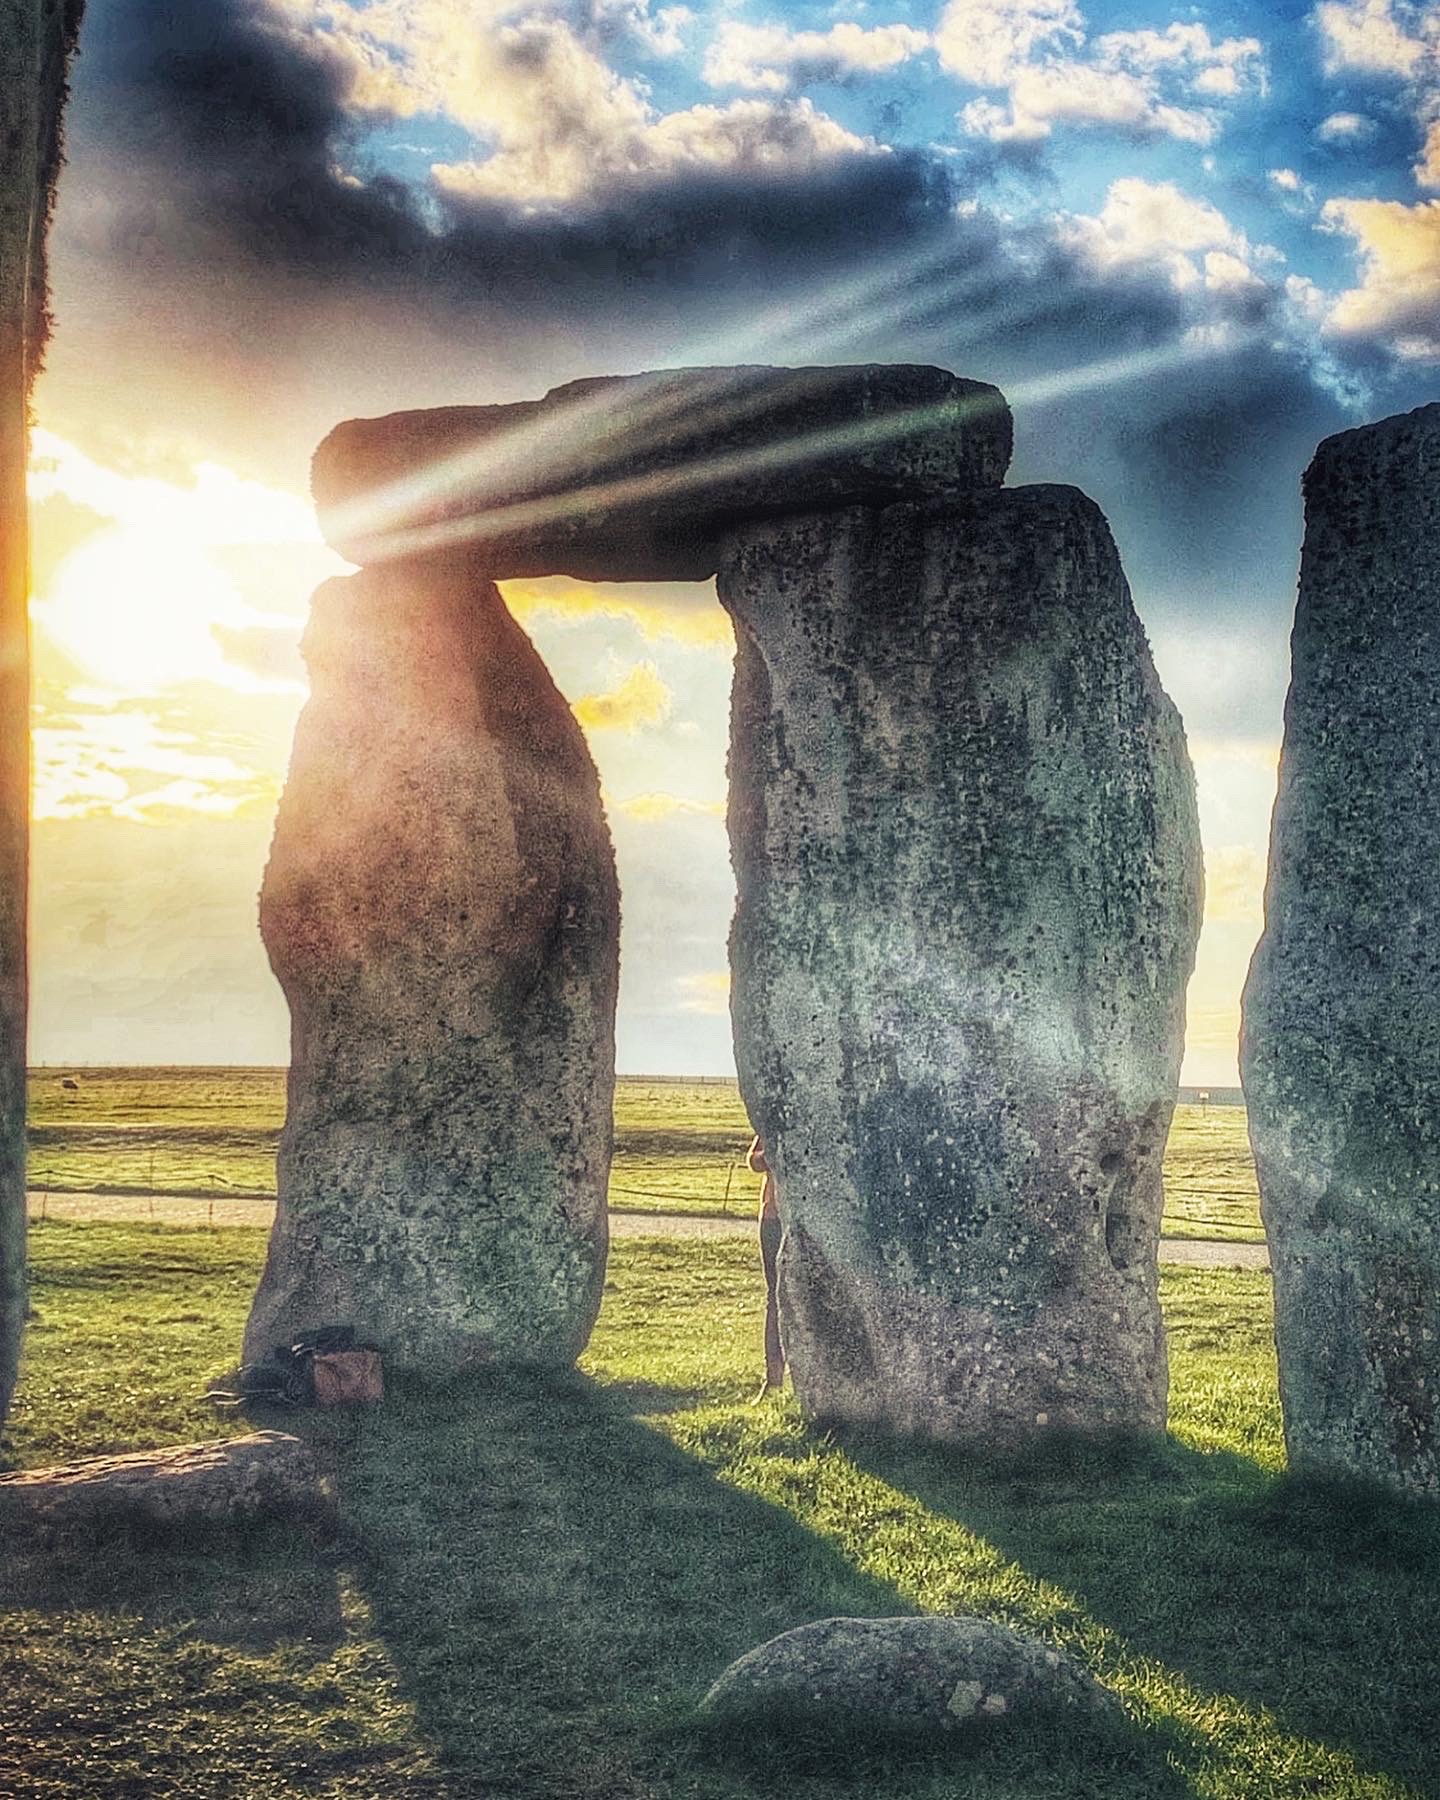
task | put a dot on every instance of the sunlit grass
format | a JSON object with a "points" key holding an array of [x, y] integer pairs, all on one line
{"points": [[542, 1574], [680, 1146]]}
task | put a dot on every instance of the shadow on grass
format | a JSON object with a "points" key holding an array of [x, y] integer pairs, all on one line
{"points": [[1316, 1602], [557, 1585], [654, 1397], [252, 1588]]}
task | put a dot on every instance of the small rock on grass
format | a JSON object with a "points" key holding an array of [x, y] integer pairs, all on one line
{"points": [[935, 1673]]}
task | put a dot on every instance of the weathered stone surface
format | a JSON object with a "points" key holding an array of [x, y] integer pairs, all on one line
{"points": [[926, 1672], [223, 1482], [632, 477], [441, 910], [964, 832], [1341, 1045], [36, 38]]}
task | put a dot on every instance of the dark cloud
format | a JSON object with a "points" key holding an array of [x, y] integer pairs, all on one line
{"points": [[210, 142], [211, 128], [1199, 472]]}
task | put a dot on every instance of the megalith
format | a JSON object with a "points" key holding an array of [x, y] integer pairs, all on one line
{"points": [[1340, 1050], [963, 827], [36, 39], [440, 908], [964, 831], [635, 477]]}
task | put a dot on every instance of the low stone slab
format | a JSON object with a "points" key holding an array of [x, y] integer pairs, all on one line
{"points": [[632, 477], [222, 1482], [938, 1672]]}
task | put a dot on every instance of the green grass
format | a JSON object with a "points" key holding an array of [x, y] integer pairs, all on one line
{"points": [[542, 1574], [679, 1146], [1210, 1189]]}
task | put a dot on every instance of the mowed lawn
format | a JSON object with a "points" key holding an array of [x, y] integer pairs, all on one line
{"points": [[541, 1575], [679, 1146]]}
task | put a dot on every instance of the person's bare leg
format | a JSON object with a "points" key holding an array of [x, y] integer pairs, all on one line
{"points": [[774, 1354]]}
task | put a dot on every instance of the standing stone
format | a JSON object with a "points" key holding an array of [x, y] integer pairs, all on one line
{"points": [[441, 910], [964, 832], [1340, 1052], [36, 39]]}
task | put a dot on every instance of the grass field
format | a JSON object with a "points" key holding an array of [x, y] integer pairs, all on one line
{"points": [[543, 1574], [679, 1145]]}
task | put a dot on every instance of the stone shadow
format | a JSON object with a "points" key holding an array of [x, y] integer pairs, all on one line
{"points": [[556, 1585], [1318, 1603], [249, 1587]]}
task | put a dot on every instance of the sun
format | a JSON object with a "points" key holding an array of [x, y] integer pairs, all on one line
{"points": [[138, 615]]}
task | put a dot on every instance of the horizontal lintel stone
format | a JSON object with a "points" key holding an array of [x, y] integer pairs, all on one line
{"points": [[635, 477]]}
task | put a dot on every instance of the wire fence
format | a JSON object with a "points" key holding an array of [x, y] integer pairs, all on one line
{"points": [[124, 1203]]}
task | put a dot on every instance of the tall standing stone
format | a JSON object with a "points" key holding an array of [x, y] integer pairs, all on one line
{"points": [[1341, 1046], [441, 910], [964, 832], [36, 39]]}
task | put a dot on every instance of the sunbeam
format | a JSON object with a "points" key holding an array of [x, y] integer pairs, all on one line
{"points": [[698, 476], [634, 422]]}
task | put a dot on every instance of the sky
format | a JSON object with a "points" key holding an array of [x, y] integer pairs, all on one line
{"points": [[1187, 241]]}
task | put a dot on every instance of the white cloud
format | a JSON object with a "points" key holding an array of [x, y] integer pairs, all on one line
{"points": [[1397, 300], [215, 508], [1081, 94], [553, 122], [653, 808], [1227, 274], [1427, 169], [1222, 69], [1372, 37], [1346, 128], [707, 992], [1135, 82], [127, 765], [662, 33], [1397, 40], [987, 42], [771, 58], [152, 601], [1158, 224], [749, 134], [1296, 194], [1235, 883]]}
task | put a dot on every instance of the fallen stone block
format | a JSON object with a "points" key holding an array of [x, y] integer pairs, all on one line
{"points": [[930, 1672], [229, 1481]]}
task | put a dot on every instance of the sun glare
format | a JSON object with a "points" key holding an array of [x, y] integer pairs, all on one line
{"points": [[138, 615]]}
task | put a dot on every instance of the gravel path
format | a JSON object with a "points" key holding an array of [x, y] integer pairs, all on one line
{"points": [[169, 1209]]}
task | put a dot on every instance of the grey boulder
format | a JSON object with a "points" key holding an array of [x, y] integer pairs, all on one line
{"points": [[937, 1672]]}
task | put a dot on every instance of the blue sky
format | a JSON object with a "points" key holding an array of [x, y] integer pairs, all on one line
{"points": [[1189, 241]]}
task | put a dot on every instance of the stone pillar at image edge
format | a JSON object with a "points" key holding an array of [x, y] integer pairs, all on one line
{"points": [[1340, 1052], [964, 831], [441, 910]]}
